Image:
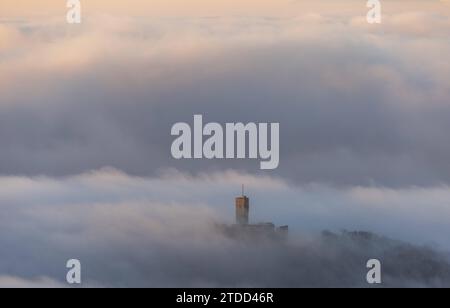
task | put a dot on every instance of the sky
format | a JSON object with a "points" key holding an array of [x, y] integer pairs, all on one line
{"points": [[200, 8], [86, 112]]}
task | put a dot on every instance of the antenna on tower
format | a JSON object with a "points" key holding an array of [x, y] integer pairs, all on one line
{"points": [[243, 190]]}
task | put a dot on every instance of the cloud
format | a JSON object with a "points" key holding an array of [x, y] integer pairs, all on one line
{"points": [[356, 107], [161, 231], [17, 282], [409, 23], [9, 37], [364, 145]]}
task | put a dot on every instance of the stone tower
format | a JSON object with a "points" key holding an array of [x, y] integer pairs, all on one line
{"points": [[242, 209]]}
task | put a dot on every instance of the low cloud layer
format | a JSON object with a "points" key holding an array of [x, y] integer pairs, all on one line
{"points": [[132, 231]]}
